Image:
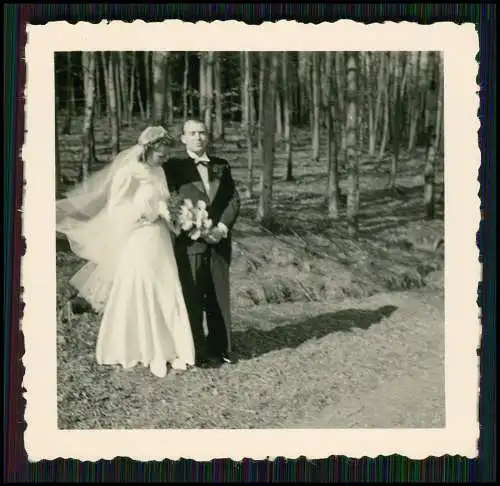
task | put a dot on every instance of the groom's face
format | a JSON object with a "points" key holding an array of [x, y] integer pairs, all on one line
{"points": [[194, 137]]}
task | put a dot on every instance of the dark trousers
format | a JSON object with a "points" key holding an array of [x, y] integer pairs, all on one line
{"points": [[200, 296]]}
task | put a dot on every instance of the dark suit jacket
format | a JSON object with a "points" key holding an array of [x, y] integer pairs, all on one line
{"points": [[223, 200]]}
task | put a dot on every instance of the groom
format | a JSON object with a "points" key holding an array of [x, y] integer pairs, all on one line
{"points": [[204, 264]]}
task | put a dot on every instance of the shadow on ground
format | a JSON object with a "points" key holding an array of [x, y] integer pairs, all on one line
{"points": [[255, 342]]}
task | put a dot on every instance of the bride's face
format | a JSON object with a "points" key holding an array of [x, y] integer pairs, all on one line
{"points": [[157, 154]]}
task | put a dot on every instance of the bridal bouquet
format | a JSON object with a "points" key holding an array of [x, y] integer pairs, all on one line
{"points": [[184, 216]]}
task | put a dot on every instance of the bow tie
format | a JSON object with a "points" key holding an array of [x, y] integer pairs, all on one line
{"points": [[201, 162]]}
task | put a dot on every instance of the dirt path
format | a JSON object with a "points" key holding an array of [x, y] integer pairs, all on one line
{"points": [[412, 393], [374, 362]]}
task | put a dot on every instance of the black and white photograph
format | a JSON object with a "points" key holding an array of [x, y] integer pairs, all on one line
{"points": [[253, 238]]}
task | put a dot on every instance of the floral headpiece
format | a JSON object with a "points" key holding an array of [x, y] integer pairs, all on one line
{"points": [[154, 135]]}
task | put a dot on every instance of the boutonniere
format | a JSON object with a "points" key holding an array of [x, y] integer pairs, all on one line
{"points": [[218, 170]]}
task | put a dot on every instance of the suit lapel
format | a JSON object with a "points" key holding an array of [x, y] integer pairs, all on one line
{"points": [[194, 176], [214, 183], [196, 180]]}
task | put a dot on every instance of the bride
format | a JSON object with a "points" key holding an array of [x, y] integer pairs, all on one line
{"points": [[117, 220]]}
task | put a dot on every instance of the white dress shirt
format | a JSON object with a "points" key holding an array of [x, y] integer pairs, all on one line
{"points": [[203, 171]]}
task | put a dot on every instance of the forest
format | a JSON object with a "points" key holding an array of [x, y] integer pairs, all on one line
{"points": [[365, 102], [338, 253]]}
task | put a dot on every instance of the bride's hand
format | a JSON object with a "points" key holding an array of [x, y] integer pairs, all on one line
{"points": [[163, 211]]}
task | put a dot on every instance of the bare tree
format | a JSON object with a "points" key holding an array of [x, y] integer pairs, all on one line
{"points": [[209, 92], [395, 114], [379, 115], [287, 115], [70, 100], [434, 106], [113, 97], [413, 99], [316, 90], [169, 101], [332, 191], [57, 153], [219, 121], [202, 83], [88, 157], [132, 88], [387, 102], [248, 101], [139, 88], [372, 135], [340, 73], [159, 60], [262, 70], [270, 66], [123, 90], [149, 83], [185, 86], [352, 144]]}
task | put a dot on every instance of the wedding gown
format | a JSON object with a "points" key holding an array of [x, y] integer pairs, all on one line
{"points": [[144, 316]]}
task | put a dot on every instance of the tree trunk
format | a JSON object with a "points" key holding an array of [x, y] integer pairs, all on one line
{"points": [[332, 190], [304, 78], [270, 71], [209, 106], [434, 106], [387, 101], [118, 84], [279, 119], [149, 84], [340, 72], [395, 117], [262, 62], [132, 89], [413, 101], [159, 60], [123, 87], [203, 83], [372, 138], [88, 61], [97, 89], [352, 144], [140, 101], [249, 122], [219, 120], [113, 97], [316, 90], [379, 114], [70, 100], [168, 91], [57, 155], [106, 84], [243, 94], [287, 102], [185, 86]]}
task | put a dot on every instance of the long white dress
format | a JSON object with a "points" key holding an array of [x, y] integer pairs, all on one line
{"points": [[144, 317]]}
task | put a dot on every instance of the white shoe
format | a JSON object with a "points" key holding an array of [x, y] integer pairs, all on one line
{"points": [[177, 364], [158, 368]]}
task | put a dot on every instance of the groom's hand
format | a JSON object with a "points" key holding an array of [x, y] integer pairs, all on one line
{"points": [[217, 233]]}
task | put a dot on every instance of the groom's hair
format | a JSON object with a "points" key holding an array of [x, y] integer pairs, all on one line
{"points": [[188, 120]]}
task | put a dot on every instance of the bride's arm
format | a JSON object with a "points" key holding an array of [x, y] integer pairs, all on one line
{"points": [[131, 198]]}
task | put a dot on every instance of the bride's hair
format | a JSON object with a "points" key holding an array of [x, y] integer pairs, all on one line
{"points": [[152, 137]]}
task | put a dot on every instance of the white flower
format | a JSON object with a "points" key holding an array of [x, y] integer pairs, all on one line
{"points": [[188, 204], [194, 235], [201, 205]]}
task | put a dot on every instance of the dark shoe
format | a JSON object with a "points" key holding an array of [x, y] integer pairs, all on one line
{"points": [[202, 362]]}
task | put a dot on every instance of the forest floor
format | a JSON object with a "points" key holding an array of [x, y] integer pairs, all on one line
{"points": [[330, 331]]}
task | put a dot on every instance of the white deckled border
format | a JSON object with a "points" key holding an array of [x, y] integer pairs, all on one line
{"points": [[460, 45]]}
